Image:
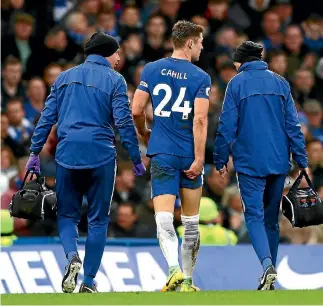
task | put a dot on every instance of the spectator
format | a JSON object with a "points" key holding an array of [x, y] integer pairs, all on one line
{"points": [[127, 225], [137, 73], [9, 9], [271, 25], [213, 118], [130, 21], [77, 26], [218, 61], [21, 45], [319, 79], [169, 10], [154, 39], [36, 93], [59, 47], [125, 185], [234, 209], [11, 85], [20, 225], [320, 191], [315, 160], [294, 49], [50, 74], [20, 129], [226, 73], [107, 23], [132, 48], [312, 28], [215, 186], [306, 236], [146, 215], [90, 8], [217, 14], [277, 62], [284, 10], [211, 233], [214, 110], [247, 15], [8, 168], [18, 149], [304, 88], [227, 40], [208, 42], [314, 113]]}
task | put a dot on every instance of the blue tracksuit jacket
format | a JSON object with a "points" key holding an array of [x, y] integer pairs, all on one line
{"points": [[260, 121], [86, 102]]}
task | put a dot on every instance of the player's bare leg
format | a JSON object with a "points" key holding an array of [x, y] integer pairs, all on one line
{"points": [[191, 240], [168, 241]]}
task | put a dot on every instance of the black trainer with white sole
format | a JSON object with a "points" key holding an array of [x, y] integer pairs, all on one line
{"points": [[86, 289], [268, 279], [70, 278]]}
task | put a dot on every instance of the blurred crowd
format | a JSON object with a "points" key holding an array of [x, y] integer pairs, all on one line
{"points": [[40, 39]]}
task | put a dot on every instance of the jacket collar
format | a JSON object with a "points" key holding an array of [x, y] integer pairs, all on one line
{"points": [[254, 65], [98, 59]]}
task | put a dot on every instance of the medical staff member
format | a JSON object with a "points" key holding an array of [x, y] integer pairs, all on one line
{"points": [[259, 120], [86, 102]]}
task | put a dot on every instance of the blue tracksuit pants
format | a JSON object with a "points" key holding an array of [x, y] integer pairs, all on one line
{"points": [[97, 184], [261, 197]]}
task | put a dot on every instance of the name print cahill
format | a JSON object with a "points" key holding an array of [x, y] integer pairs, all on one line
{"points": [[174, 74]]}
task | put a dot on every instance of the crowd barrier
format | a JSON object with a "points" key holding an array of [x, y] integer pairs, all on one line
{"points": [[138, 265]]}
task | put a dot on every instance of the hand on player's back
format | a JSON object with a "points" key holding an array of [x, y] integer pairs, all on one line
{"points": [[194, 170]]}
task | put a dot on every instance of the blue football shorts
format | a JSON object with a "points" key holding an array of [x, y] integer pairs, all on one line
{"points": [[167, 174]]}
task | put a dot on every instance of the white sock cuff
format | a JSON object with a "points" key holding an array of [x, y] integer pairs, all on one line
{"points": [[190, 219], [164, 216]]}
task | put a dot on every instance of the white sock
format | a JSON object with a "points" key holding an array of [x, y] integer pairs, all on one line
{"points": [[190, 244], [167, 238]]}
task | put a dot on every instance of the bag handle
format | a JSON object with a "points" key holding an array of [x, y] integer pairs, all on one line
{"points": [[308, 180], [32, 171], [299, 179]]}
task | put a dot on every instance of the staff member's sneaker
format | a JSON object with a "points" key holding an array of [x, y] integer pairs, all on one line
{"points": [[86, 289], [268, 279], [70, 278]]}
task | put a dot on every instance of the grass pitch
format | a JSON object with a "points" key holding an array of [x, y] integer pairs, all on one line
{"points": [[279, 297]]}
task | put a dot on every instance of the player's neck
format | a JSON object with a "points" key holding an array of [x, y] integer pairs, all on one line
{"points": [[181, 54]]}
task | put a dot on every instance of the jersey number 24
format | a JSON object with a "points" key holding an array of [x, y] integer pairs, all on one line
{"points": [[185, 110]]}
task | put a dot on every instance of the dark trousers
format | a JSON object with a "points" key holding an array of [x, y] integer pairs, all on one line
{"points": [[261, 197], [97, 184]]}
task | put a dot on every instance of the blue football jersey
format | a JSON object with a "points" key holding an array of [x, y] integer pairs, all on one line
{"points": [[173, 85]]}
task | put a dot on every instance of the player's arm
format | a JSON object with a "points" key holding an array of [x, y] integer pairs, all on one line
{"points": [[139, 103], [227, 128], [200, 122], [201, 108], [140, 100]]}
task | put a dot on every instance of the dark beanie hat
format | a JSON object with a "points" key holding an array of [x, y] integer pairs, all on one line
{"points": [[101, 44], [248, 52]]}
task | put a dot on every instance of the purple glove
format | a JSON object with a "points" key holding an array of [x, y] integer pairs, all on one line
{"points": [[139, 169], [33, 162]]}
